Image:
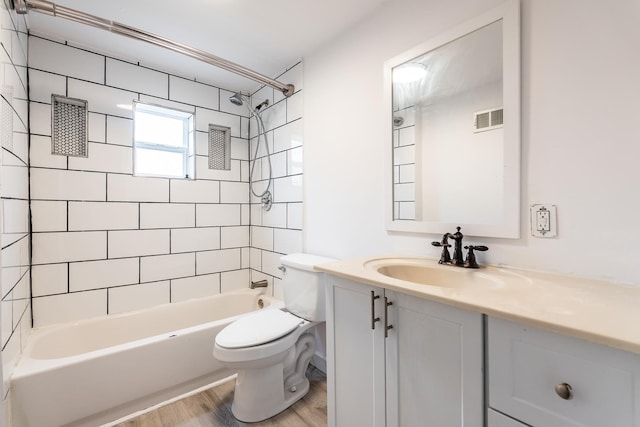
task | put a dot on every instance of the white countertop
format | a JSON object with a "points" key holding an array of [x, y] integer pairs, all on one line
{"points": [[603, 312]]}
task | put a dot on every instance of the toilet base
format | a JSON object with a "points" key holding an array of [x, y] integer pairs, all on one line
{"points": [[266, 391]]}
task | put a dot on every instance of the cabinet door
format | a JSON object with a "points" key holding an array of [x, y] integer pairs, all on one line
{"points": [[434, 364], [496, 419], [355, 355]]}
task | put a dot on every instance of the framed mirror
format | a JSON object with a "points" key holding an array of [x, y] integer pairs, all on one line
{"points": [[453, 156]]}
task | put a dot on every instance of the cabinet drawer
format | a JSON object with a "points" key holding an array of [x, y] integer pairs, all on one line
{"points": [[496, 419], [526, 365]]}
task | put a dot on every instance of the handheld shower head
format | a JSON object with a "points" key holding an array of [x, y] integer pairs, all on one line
{"points": [[236, 99]]}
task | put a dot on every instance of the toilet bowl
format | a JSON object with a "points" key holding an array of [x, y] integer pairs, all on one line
{"points": [[271, 349]]}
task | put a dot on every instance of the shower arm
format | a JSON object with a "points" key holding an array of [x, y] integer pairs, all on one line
{"points": [[49, 8]]}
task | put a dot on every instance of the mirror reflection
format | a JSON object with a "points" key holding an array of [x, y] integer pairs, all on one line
{"points": [[448, 136]]}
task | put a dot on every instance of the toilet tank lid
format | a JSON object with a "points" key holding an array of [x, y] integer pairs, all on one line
{"points": [[303, 261]]}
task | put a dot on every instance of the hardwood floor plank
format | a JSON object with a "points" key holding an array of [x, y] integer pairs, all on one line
{"points": [[212, 408]]}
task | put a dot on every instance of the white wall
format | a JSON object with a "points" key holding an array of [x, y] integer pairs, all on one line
{"points": [[580, 134]]}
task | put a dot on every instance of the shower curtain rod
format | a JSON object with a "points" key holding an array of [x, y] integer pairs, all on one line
{"points": [[52, 9]]}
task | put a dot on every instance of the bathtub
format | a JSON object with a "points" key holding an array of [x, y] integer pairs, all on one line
{"points": [[99, 370]]}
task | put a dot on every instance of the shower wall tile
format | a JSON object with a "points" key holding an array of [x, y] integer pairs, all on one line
{"points": [[50, 248], [234, 192], [96, 127], [15, 273], [40, 118], [132, 243], [119, 131], [41, 156], [217, 261], [51, 184], [194, 93], [234, 237], [102, 216], [234, 280], [195, 239], [153, 268], [287, 241], [127, 188], [194, 191], [49, 279], [48, 216], [204, 117], [89, 275], [262, 238], [217, 215], [102, 99], [294, 107], [294, 216], [43, 85], [137, 297], [143, 241], [195, 287], [69, 307], [104, 158], [288, 189], [167, 215], [136, 78], [64, 60]]}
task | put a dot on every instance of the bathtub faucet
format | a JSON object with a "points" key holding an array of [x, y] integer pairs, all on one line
{"points": [[259, 284]]}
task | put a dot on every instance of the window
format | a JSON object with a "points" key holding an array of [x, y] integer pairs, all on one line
{"points": [[163, 142]]}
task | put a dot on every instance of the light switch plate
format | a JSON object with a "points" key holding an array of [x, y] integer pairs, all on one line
{"points": [[543, 221]]}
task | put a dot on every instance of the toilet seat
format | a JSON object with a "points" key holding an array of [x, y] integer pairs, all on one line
{"points": [[256, 329]]}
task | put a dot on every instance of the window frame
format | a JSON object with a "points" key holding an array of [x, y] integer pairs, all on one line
{"points": [[188, 134]]}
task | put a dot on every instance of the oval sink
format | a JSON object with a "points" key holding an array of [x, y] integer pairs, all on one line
{"points": [[428, 272]]}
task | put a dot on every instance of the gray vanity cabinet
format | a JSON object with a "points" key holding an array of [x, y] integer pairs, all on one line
{"points": [[399, 360]]}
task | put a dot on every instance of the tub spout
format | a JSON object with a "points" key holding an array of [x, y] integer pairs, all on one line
{"points": [[259, 284]]}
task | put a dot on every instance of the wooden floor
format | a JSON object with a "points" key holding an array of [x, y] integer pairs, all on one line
{"points": [[212, 408]]}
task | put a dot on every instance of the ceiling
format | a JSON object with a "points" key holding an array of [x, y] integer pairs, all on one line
{"points": [[266, 36]]}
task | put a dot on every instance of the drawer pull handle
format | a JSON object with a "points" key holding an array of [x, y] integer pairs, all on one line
{"points": [[564, 391]]}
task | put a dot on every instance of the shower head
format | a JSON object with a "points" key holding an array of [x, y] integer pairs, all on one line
{"points": [[236, 99]]}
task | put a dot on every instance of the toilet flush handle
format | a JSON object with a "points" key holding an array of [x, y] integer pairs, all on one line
{"points": [[282, 268]]}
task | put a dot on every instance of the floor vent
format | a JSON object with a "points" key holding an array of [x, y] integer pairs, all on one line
{"points": [[69, 126], [488, 120]]}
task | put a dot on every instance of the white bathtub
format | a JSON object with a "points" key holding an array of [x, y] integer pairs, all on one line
{"points": [[98, 370]]}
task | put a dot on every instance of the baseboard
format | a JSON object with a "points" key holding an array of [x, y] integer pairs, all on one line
{"points": [[319, 362]]}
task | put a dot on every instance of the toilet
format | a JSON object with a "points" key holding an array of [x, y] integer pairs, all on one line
{"points": [[271, 348]]}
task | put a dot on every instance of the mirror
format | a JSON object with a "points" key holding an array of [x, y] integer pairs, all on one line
{"points": [[454, 146]]}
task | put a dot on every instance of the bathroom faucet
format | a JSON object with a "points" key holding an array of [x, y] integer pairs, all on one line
{"points": [[457, 259]]}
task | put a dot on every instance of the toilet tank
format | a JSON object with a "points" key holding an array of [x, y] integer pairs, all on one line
{"points": [[303, 287]]}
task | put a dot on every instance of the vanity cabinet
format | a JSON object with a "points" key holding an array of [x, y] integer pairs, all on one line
{"points": [[398, 360], [546, 379]]}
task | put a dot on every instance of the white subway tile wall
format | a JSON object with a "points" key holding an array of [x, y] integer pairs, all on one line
{"points": [[15, 271], [105, 241]]}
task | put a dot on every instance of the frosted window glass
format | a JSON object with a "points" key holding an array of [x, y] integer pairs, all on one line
{"points": [[157, 162]]}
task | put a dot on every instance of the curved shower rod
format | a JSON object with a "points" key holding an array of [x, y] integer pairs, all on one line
{"points": [[52, 9]]}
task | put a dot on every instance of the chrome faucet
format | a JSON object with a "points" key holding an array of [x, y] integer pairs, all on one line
{"points": [[457, 260]]}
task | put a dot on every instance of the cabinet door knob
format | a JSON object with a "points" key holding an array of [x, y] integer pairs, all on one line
{"points": [[564, 391]]}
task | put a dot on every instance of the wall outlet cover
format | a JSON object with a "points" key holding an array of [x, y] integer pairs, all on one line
{"points": [[543, 220]]}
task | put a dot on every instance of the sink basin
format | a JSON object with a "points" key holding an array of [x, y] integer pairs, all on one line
{"points": [[428, 272]]}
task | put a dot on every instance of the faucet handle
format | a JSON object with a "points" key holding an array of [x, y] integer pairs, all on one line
{"points": [[471, 262], [444, 245], [445, 256]]}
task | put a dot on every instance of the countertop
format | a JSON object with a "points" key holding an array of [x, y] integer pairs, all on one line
{"points": [[602, 312]]}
